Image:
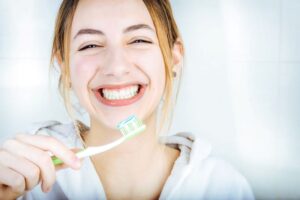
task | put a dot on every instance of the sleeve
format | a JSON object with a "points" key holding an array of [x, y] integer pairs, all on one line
{"points": [[34, 128]]}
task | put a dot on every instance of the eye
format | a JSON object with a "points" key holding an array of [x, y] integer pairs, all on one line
{"points": [[140, 41], [90, 46]]}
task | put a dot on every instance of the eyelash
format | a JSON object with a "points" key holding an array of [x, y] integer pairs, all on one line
{"points": [[91, 46], [140, 41]]}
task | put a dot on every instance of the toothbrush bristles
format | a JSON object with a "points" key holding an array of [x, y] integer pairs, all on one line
{"points": [[132, 125]]}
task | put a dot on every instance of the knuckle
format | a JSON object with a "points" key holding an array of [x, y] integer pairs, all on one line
{"points": [[34, 174], [44, 159]]}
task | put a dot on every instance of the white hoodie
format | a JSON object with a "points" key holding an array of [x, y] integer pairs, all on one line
{"points": [[195, 174]]}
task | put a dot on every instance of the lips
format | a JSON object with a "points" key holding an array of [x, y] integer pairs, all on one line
{"points": [[119, 95]]}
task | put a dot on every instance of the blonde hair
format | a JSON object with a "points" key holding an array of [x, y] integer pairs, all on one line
{"points": [[167, 33]]}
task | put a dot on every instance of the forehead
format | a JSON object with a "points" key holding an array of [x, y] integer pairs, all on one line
{"points": [[110, 14]]}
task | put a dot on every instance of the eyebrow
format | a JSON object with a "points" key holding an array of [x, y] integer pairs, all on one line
{"points": [[91, 31], [137, 27], [88, 31]]}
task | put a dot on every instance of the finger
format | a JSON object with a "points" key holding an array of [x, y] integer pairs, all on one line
{"points": [[37, 156], [22, 166], [63, 165], [12, 179], [54, 146]]}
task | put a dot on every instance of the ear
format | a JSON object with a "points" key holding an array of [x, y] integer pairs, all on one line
{"points": [[177, 53]]}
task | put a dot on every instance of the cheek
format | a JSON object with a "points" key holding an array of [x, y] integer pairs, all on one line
{"points": [[157, 78], [152, 64], [159, 81], [82, 71]]}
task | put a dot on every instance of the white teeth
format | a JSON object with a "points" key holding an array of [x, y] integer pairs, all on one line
{"points": [[118, 94]]}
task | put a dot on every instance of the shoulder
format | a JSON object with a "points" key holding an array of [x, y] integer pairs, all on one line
{"points": [[217, 177], [204, 175]]}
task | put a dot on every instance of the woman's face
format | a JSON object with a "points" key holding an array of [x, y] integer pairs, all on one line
{"points": [[116, 64]]}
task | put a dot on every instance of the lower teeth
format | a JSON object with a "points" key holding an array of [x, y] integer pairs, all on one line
{"points": [[119, 98]]}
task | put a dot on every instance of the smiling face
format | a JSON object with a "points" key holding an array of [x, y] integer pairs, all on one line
{"points": [[116, 65]]}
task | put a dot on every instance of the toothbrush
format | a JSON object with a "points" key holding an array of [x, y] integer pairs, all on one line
{"points": [[129, 128]]}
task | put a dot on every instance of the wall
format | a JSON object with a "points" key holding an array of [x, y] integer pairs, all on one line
{"points": [[240, 89]]}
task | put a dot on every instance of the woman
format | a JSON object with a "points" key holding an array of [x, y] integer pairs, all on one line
{"points": [[119, 58]]}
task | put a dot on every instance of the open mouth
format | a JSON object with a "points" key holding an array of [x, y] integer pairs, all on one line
{"points": [[120, 95]]}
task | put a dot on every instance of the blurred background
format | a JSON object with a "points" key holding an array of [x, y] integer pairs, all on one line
{"points": [[240, 90]]}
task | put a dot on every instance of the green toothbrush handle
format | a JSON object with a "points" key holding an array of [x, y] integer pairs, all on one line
{"points": [[56, 160]]}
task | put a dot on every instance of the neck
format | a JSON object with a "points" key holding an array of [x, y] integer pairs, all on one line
{"points": [[141, 159], [141, 148]]}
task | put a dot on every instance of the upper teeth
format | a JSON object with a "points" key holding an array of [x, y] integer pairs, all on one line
{"points": [[126, 93]]}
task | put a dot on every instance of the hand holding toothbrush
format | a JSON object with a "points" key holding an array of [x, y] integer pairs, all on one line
{"points": [[25, 162]]}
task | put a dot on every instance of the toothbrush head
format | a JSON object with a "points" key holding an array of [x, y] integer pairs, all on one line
{"points": [[131, 126]]}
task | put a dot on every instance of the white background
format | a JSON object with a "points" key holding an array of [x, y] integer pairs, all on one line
{"points": [[241, 85]]}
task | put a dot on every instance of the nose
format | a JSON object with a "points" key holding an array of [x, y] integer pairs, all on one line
{"points": [[116, 64]]}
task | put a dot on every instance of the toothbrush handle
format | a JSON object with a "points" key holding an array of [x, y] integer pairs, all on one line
{"points": [[56, 160], [90, 151]]}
